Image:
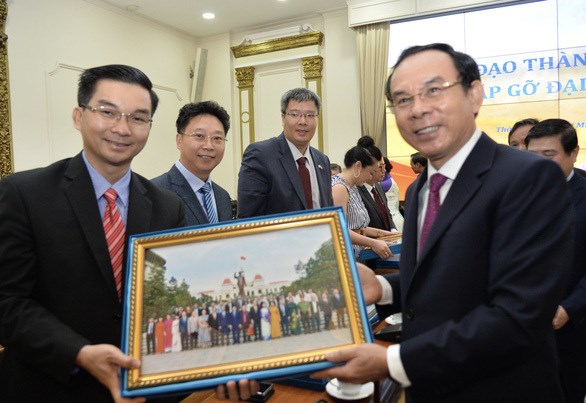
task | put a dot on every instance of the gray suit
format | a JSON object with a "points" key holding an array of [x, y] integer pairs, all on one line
{"points": [[269, 182], [195, 214]]}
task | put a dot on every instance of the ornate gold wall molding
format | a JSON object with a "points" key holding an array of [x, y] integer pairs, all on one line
{"points": [[245, 78], [312, 66], [6, 163], [273, 45]]}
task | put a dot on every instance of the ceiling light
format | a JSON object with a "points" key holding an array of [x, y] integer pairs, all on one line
{"points": [[209, 16]]}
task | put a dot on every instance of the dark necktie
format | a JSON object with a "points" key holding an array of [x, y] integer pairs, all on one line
{"points": [[115, 232], [382, 209], [305, 181], [208, 200], [433, 205]]}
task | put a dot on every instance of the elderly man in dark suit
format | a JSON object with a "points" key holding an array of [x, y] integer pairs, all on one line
{"points": [[61, 276], [201, 139], [487, 245], [285, 173], [557, 140]]}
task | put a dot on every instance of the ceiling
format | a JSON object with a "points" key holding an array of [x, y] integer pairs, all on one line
{"points": [[231, 15]]}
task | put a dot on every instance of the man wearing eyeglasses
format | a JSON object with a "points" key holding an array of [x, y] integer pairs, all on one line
{"points": [[62, 239], [487, 242], [285, 173], [201, 140]]}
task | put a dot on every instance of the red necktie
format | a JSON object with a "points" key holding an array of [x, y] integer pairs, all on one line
{"points": [[382, 209], [114, 230], [305, 181], [433, 205]]}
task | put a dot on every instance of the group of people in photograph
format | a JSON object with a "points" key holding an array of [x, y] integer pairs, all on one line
{"points": [[242, 320]]}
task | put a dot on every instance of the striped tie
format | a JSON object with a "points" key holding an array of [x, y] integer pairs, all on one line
{"points": [[208, 200], [114, 230]]}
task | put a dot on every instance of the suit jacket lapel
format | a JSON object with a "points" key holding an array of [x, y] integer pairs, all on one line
{"points": [[80, 192], [221, 206], [290, 168], [185, 192], [462, 190], [324, 181]]}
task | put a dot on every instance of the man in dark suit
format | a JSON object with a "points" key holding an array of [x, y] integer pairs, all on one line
{"points": [[60, 305], [201, 139], [270, 178], [487, 242], [372, 193], [557, 140]]}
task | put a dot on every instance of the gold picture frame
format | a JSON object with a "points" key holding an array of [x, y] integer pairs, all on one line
{"points": [[248, 269]]}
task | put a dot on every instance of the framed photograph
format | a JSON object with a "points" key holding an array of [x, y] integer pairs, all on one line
{"points": [[259, 298]]}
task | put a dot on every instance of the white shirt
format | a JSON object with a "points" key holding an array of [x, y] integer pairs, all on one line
{"points": [[450, 170], [195, 184], [311, 168]]}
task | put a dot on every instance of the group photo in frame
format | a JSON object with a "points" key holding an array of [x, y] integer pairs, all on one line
{"points": [[259, 298]]}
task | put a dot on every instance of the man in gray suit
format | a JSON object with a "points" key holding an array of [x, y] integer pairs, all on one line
{"points": [[270, 179], [201, 139]]}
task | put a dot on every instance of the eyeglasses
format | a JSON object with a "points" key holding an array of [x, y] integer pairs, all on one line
{"points": [[216, 139], [297, 115], [138, 120], [431, 93]]}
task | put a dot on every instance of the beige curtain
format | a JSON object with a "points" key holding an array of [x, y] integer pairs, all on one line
{"points": [[372, 44]]}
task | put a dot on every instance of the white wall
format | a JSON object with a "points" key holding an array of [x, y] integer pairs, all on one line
{"points": [[50, 42]]}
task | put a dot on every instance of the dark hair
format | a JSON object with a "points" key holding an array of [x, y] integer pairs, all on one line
{"points": [[465, 65], [335, 166], [555, 127], [358, 153], [417, 158], [521, 123], [388, 165], [368, 143], [191, 110], [116, 72], [300, 95]]}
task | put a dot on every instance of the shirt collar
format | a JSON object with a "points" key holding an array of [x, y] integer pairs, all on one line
{"points": [[122, 186], [194, 182], [451, 168], [297, 154]]}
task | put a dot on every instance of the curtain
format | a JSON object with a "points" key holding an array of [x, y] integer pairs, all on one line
{"points": [[372, 44]]}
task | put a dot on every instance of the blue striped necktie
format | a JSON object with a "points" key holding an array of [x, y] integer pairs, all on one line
{"points": [[208, 200]]}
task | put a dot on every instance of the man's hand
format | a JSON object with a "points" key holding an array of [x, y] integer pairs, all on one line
{"points": [[103, 362], [243, 391], [364, 363], [560, 318], [371, 287]]}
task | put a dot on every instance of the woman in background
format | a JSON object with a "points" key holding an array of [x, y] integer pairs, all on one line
{"points": [[359, 165], [265, 322]]}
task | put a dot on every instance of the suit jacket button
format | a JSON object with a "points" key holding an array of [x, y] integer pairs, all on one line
{"points": [[117, 317], [410, 314]]}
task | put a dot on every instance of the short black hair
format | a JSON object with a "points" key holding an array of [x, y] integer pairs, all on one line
{"points": [[300, 95], [116, 72], [417, 158], [521, 123], [191, 110], [466, 66], [368, 143], [335, 166], [358, 153], [555, 128]]}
